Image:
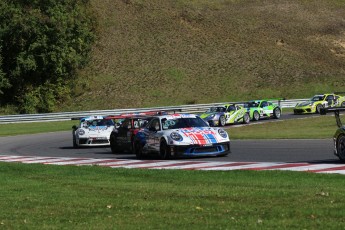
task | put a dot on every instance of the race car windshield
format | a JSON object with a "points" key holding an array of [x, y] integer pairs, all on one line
{"points": [[217, 109], [100, 122], [139, 123], [318, 98], [231, 108], [251, 104], [179, 123]]}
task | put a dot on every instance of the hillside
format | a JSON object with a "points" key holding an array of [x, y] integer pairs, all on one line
{"points": [[156, 53]]}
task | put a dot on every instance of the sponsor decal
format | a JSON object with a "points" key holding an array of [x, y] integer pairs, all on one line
{"points": [[200, 136], [98, 128]]}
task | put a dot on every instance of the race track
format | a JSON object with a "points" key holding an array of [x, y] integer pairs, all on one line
{"points": [[59, 144]]}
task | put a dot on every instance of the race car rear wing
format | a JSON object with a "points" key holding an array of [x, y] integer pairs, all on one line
{"points": [[154, 112], [336, 111]]}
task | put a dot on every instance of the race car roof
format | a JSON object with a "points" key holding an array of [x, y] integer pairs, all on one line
{"points": [[126, 116], [178, 115], [153, 112]]}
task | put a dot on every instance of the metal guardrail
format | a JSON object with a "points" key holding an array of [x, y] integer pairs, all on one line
{"points": [[63, 116]]}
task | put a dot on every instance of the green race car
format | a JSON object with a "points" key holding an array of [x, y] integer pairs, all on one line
{"points": [[226, 114], [317, 102], [339, 136], [259, 109]]}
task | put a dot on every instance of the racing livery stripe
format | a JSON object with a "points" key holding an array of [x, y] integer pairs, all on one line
{"points": [[175, 164], [200, 136], [211, 138]]}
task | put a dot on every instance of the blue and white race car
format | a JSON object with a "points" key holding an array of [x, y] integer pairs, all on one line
{"points": [[180, 135], [92, 131]]}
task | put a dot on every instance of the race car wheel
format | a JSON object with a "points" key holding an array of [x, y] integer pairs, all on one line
{"points": [[341, 147], [246, 118], [138, 149], [343, 104], [222, 121], [75, 145], [256, 116], [164, 150], [276, 113], [318, 108], [113, 144]]}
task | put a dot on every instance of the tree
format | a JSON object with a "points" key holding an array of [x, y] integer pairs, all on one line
{"points": [[44, 43], [4, 82]]}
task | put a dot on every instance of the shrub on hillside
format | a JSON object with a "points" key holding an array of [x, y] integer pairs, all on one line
{"points": [[4, 82], [44, 43]]}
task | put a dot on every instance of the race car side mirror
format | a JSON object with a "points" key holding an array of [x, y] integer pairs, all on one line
{"points": [[74, 127]]}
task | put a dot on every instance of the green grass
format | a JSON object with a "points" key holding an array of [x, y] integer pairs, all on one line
{"points": [[303, 128], [70, 197], [160, 53], [35, 127]]}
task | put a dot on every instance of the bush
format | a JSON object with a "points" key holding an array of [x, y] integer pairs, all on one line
{"points": [[4, 82], [44, 43]]}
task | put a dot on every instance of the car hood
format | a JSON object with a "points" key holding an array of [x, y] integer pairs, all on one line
{"points": [[201, 135], [305, 103], [207, 114]]}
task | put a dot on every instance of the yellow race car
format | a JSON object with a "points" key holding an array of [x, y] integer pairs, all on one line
{"points": [[319, 101]]}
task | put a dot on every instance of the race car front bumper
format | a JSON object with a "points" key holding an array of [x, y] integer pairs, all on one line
{"points": [[94, 141], [218, 149], [302, 110], [212, 122]]}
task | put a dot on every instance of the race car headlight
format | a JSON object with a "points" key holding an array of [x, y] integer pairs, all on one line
{"points": [[176, 136], [223, 133], [81, 132]]}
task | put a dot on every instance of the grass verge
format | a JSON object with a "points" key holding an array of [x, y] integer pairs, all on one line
{"points": [[69, 197], [302, 128], [35, 127]]}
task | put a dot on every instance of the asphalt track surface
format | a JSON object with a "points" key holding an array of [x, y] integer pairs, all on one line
{"points": [[59, 144]]}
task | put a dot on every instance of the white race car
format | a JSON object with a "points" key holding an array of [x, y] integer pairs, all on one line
{"points": [[92, 131], [180, 135]]}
